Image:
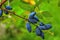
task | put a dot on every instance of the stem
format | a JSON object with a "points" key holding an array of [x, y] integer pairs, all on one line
{"points": [[3, 1], [21, 17], [18, 16], [14, 13], [25, 19]]}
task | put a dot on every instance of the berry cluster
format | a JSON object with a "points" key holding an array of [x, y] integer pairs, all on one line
{"points": [[33, 19], [6, 12]]}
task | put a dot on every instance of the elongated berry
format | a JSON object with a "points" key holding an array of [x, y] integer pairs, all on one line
{"points": [[1, 13], [32, 14], [36, 18], [48, 26], [28, 26], [8, 8], [42, 27], [41, 24], [32, 20], [39, 33]]}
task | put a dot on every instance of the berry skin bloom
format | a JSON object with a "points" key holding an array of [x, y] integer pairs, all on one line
{"points": [[48, 26], [28, 26], [32, 14], [36, 18], [1, 13], [8, 8], [33, 21], [33, 18], [43, 26], [39, 33]]}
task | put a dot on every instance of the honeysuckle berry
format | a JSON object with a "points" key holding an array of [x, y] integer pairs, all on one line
{"points": [[36, 18], [48, 26], [41, 24], [32, 14], [8, 7], [28, 26], [33, 18], [42, 27], [33, 21], [39, 33], [1, 12]]}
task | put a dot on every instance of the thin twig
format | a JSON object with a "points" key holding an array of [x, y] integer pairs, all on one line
{"points": [[3, 1], [18, 16]]}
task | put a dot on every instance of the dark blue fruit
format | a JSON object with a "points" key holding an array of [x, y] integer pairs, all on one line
{"points": [[32, 14], [32, 20], [39, 33], [41, 24], [28, 26], [1, 13], [48, 26], [8, 8], [36, 18], [42, 27]]}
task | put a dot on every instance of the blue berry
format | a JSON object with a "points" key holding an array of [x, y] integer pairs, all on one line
{"points": [[39, 33], [1, 13], [32, 14], [28, 26], [8, 8], [48, 26], [35, 17], [42, 35], [41, 24], [42, 27], [32, 20]]}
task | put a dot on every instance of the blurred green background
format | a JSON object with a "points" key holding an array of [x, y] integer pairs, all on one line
{"points": [[14, 28]]}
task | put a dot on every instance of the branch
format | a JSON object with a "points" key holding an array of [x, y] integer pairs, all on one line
{"points": [[18, 16], [21, 17], [3, 1]]}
